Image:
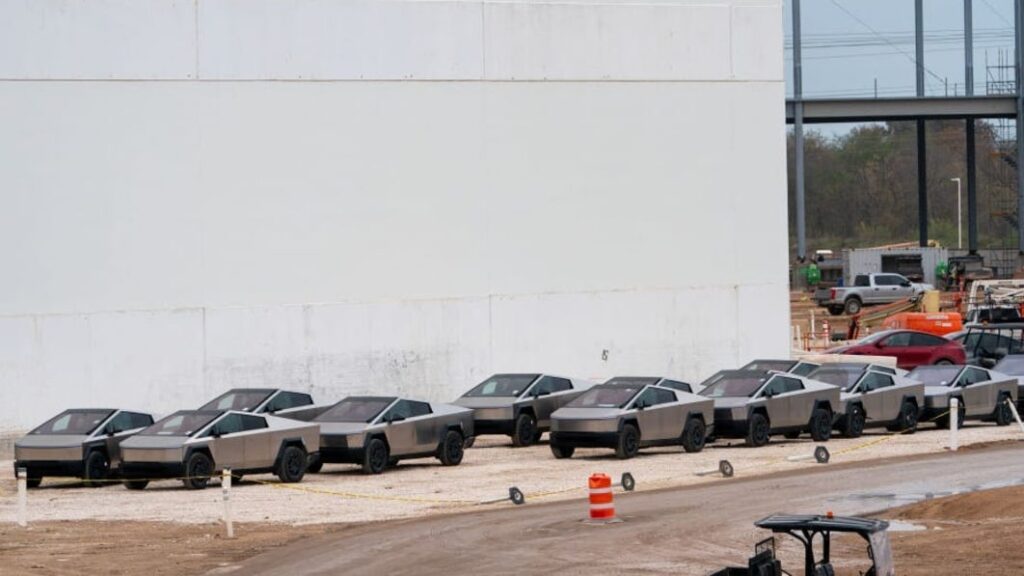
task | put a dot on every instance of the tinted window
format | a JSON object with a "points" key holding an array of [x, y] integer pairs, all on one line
{"points": [[664, 396], [253, 422], [899, 339], [127, 421], [654, 396], [861, 280], [355, 410], [550, 385], [74, 422], [804, 368], [605, 396], [419, 408], [845, 379], [676, 385], [874, 381], [926, 340], [885, 280], [734, 386], [1012, 365], [407, 409], [633, 380], [973, 375], [229, 424], [762, 365], [180, 424], [935, 375], [783, 384], [286, 400], [503, 385], [244, 400]]}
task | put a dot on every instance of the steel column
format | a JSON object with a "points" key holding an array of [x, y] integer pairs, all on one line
{"points": [[1018, 20], [972, 191], [969, 47], [798, 136], [922, 164]]}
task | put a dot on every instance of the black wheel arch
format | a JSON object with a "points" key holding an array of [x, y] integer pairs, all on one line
{"points": [[631, 420], [286, 443], [377, 435]]}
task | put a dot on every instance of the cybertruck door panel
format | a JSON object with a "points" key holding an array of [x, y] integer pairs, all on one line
{"points": [[228, 451], [661, 422]]}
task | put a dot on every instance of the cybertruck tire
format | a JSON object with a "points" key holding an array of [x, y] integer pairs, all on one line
{"points": [[907, 420], [452, 448], [136, 484], [562, 452], [96, 468], [821, 425], [292, 466], [694, 435], [628, 444], [758, 430], [376, 456], [1003, 414], [198, 469], [525, 432], [853, 423], [315, 465]]}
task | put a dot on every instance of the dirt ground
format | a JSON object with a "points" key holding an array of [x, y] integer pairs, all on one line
{"points": [[961, 533]]}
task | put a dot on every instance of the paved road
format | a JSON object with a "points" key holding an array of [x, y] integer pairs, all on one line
{"points": [[674, 531]]}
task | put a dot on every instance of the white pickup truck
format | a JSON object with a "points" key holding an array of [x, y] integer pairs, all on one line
{"points": [[868, 290]]}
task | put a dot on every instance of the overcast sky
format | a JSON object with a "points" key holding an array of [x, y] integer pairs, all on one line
{"points": [[848, 45]]}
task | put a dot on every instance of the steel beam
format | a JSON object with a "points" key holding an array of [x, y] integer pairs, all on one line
{"points": [[897, 109], [1018, 19], [972, 190], [798, 136]]}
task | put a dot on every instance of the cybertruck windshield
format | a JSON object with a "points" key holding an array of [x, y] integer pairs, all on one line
{"points": [[633, 381], [845, 379], [184, 423], [735, 386], [511, 385], [762, 365], [605, 396], [244, 400], [935, 375], [358, 410], [74, 422]]}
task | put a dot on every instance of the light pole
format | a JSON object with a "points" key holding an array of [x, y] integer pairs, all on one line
{"points": [[959, 217]]}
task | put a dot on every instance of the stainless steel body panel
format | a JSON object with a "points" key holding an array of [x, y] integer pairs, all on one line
{"points": [[497, 414], [246, 450], [416, 436], [64, 454], [878, 390], [979, 398], [787, 410], [658, 424]]}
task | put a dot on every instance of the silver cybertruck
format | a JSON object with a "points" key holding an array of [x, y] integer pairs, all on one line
{"points": [[653, 381], [798, 367], [981, 393], [195, 445], [627, 416], [754, 405], [276, 401], [378, 431], [872, 396], [519, 405], [81, 443]]}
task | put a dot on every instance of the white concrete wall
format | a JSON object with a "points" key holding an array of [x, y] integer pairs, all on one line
{"points": [[392, 196]]}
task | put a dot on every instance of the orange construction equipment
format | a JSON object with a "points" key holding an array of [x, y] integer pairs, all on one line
{"points": [[602, 506], [938, 323]]}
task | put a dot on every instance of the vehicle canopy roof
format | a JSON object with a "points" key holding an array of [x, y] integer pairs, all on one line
{"points": [[786, 522]]}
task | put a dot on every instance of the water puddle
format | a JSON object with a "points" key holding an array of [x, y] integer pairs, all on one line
{"points": [[901, 526]]}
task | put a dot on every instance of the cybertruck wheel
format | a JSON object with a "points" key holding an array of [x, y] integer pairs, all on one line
{"points": [[96, 468], [907, 420], [375, 459], [293, 463], [198, 469], [315, 464], [758, 430], [821, 425], [452, 448], [1003, 414], [136, 484], [694, 435], [562, 452], [853, 425], [525, 432], [629, 442]]}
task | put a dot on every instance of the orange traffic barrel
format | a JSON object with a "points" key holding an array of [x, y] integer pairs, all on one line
{"points": [[602, 506]]}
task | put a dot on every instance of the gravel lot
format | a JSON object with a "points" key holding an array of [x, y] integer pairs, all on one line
{"points": [[341, 493]]}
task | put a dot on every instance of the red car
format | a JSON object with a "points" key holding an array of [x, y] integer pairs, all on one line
{"points": [[911, 348]]}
